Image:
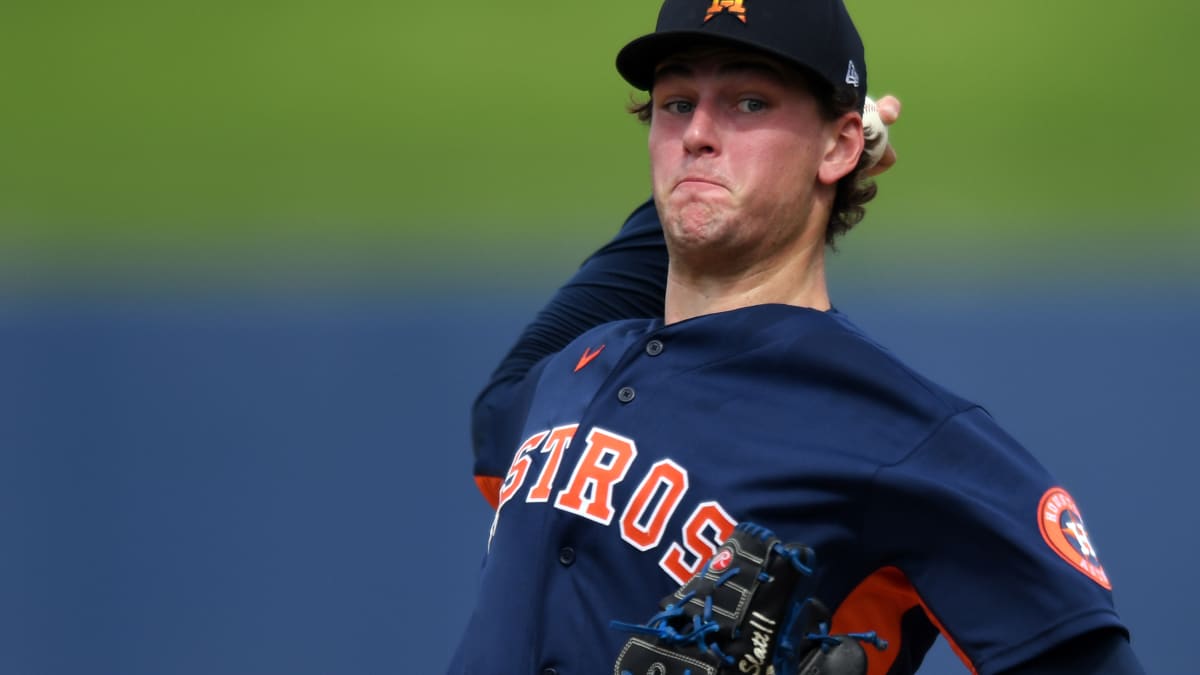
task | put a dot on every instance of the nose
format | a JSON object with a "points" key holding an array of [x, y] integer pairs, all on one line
{"points": [[701, 137]]}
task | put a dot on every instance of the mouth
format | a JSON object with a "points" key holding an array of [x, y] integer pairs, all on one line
{"points": [[697, 181]]}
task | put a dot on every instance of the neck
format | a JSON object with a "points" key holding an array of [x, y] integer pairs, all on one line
{"points": [[792, 278]]}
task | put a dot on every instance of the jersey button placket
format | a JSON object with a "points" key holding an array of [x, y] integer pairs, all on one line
{"points": [[566, 556], [654, 347]]}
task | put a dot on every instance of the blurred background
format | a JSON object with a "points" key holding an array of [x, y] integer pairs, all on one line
{"points": [[257, 257]]}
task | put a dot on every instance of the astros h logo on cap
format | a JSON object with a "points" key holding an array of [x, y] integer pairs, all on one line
{"points": [[817, 35], [732, 6]]}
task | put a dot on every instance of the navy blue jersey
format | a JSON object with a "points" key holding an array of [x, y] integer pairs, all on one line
{"points": [[639, 446]]}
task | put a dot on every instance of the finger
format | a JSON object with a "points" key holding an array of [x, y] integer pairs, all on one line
{"points": [[885, 162], [889, 109]]}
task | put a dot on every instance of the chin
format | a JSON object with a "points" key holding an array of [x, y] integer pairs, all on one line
{"points": [[699, 226], [695, 220]]}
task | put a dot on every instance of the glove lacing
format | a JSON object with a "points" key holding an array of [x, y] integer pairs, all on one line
{"points": [[703, 625]]}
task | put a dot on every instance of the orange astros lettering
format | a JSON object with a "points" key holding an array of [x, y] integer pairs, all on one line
{"points": [[645, 518], [603, 464], [520, 464], [697, 544], [605, 461], [556, 444]]}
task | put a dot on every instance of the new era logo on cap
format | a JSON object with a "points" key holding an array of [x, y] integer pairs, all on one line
{"points": [[814, 34]]}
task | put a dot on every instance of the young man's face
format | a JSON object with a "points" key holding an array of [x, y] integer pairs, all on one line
{"points": [[736, 145]]}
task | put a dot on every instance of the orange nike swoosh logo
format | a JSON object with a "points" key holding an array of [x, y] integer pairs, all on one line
{"points": [[587, 357]]}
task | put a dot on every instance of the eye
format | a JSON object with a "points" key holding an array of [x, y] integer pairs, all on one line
{"points": [[679, 107], [750, 105]]}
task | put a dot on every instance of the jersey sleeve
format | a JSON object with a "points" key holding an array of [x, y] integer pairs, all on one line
{"points": [[993, 547], [1100, 652], [624, 279]]}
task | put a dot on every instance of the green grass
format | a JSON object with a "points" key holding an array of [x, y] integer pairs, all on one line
{"points": [[481, 126]]}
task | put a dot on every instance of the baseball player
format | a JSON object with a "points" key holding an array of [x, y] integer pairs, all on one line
{"points": [[659, 400]]}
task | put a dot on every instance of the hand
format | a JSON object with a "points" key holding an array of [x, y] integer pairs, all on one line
{"points": [[889, 112]]}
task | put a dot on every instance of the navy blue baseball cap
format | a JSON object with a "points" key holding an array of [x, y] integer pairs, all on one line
{"points": [[814, 34]]}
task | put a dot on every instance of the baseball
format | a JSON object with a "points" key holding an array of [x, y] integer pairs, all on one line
{"points": [[875, 132]]}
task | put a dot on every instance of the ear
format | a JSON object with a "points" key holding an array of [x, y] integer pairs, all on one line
{"points": [[843, 147]]}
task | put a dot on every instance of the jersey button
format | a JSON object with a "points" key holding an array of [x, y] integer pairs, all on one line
{"points": [[549, 671], [654, 347], [626, 394], [566, 556]]}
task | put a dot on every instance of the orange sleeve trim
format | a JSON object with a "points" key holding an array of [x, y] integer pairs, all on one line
{"points": [[878, 603], [489, 486]]}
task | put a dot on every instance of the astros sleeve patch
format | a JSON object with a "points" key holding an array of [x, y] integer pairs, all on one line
{"points": [[1062, 528]]}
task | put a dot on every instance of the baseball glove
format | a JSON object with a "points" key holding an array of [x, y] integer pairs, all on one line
{"points": [[746, 611]]}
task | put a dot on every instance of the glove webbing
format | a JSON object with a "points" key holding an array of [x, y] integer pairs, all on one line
{"points": [[712, 608]]}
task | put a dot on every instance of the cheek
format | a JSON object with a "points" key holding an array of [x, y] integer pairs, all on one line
{"points": [[759, 168], [782, 161], [660, 156]]}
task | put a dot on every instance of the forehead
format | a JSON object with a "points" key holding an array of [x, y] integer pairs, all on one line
{"points": [[728, 61]]}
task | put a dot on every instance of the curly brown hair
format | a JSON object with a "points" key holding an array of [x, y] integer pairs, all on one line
{"points": [[854, 189]]}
